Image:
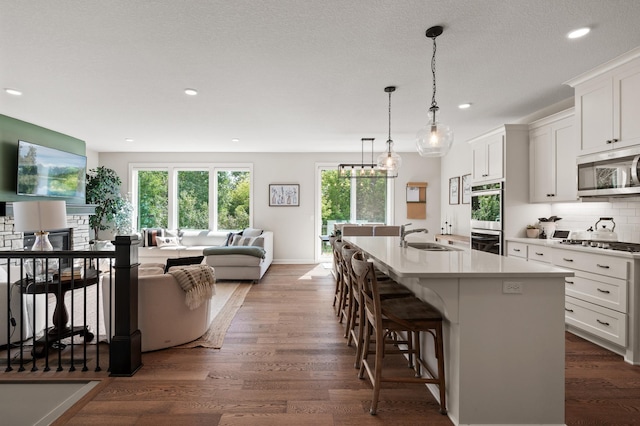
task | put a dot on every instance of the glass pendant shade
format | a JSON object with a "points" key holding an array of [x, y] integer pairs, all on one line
{"points": [[434, 139], [389, 160]]}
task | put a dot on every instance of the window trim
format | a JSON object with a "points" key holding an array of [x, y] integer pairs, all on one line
{"points": [[172, 169]]}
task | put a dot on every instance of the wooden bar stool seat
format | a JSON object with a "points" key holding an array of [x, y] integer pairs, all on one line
{"points": [[384, 319]]}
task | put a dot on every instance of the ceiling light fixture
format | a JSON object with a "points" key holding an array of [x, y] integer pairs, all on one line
{"points": [[13, 92], [364, 170], [580, 32], [434, 139], [235, 140], [464, 106], [191, 92], [389, 160], [128, 140]]}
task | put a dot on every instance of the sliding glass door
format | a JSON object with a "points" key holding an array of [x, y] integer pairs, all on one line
{"points": [[346, 200]]}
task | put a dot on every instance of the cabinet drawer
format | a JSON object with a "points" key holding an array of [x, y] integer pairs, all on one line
{"points": [[602, 322], [517, 249], [604, 291], [539, 253], [598, 264]]}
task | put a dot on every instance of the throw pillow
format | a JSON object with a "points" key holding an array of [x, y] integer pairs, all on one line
{"points": [[182, 261], [251, 232], [173, 233], [167, 241], [150, 235], [229, 240]]}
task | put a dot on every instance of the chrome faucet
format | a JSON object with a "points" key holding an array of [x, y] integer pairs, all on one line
{"points": [[404, 232]]}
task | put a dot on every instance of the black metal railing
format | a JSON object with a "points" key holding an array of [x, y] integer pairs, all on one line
{"points": [[56, 308]]}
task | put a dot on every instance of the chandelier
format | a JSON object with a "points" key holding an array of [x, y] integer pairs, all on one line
{"points": [[389, 160], [434, 139], [369, 170]]}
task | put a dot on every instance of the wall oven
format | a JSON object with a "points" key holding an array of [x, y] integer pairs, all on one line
{"points": [[486, 218]]}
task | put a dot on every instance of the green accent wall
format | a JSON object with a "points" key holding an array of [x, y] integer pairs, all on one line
{"points": [[13, 130]]}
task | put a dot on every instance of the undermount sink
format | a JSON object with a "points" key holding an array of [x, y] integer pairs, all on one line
{"points": [[428, 246]]}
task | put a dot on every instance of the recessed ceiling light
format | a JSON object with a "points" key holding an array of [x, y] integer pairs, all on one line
{"points": [[235, 140], [128, 140], [464, 106], [191, 92], [13, 92], [580, 32]]}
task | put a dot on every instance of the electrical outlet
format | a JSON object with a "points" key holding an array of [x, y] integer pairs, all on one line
{"points": [[512, 287]]}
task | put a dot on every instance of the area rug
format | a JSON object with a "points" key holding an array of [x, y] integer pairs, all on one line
{"points": [[226, 302]]}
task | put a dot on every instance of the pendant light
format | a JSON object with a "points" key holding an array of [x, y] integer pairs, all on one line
{"points": [[434, 139], [389, 160]]}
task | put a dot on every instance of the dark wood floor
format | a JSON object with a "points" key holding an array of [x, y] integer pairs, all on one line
{"points": [[284, 362]]}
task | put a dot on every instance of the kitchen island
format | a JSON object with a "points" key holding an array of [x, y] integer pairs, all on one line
{"points": [[504, 329]]}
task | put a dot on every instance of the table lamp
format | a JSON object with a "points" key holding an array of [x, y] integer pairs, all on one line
{"points": [[38, 217]]}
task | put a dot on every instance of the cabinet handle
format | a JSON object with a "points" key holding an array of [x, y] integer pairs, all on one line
{"points": [[485, 175], [568, 282], [539, 254], [568, 310], [614, 140], [567, 260], [602, 266], [516, 249], [609, 141], [604, 291], [602, 322]]}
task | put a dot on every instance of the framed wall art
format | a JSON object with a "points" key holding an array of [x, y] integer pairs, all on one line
{"points": [[284, 195], [466, 189], [454, 190]]}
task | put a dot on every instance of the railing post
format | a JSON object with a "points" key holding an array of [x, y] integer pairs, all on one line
{"points": [[125, 351]]}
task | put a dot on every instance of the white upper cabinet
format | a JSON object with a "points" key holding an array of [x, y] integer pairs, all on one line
{"points": [[607, 105], [488, 153], [553, 150]]}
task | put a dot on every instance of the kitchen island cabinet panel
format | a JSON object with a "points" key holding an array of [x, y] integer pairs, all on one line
{"points": [[504, 349]]}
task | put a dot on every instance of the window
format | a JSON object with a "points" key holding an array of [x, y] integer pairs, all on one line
{"points": [[216, 197]]}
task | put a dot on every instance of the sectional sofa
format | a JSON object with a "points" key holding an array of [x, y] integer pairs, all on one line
{"points": [[160, 245]]}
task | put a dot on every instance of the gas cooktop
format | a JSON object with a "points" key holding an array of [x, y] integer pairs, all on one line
{"points": [[611, 245]]}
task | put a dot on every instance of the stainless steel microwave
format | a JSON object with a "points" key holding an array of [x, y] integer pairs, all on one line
{"points": [[609, 174]]}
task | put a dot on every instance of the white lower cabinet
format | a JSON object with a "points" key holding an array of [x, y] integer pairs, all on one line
{"points": [[596, 297], [602, 299]]}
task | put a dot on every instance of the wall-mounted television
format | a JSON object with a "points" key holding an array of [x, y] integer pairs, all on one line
{"points": [[49, 172]]}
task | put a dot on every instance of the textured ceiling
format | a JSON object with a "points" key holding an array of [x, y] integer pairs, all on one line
{"points": [[293, 75]]}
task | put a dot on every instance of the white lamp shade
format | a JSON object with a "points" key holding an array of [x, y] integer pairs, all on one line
{"points": [[33, 216]]}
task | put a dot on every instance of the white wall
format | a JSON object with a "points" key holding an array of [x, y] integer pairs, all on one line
{"points": [[456, 163], [294, 227]]}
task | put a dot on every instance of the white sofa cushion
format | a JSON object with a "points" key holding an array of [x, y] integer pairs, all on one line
{"points": [[233, 260]]}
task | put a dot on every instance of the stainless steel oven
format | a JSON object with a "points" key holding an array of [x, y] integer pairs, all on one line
{"points": [[486, 217]]}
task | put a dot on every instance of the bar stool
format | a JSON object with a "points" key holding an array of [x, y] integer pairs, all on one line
{"points": [[336, 266], [405, 316], [388, 289]]}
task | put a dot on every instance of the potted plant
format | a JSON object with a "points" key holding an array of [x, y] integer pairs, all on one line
{"points": [[103, 190], [532, 231]]}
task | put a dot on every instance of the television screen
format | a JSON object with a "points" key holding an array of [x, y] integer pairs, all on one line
{"points": [[49, 172]]}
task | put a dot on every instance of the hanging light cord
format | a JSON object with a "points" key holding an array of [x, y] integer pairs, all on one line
{"points": [[389, 140], [434, 104]]}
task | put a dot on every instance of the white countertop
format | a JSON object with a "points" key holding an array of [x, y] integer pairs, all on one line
{"points": [[411, 262], [575, 247]]}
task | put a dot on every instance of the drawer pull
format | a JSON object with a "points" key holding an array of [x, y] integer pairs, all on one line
{"points": [[604, 291], [602, 266], [568, 310], [539, 254], [602, 322], [516, 249], [568, 282], [567, 260]]}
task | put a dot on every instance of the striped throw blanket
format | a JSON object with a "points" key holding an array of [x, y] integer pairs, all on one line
{"points": [[198, 282]]}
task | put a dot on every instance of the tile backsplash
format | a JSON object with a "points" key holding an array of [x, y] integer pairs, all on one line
{"points": [[582, 215]]}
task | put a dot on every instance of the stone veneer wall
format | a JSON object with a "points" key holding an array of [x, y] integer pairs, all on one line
{"points": [[10, 240]]}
